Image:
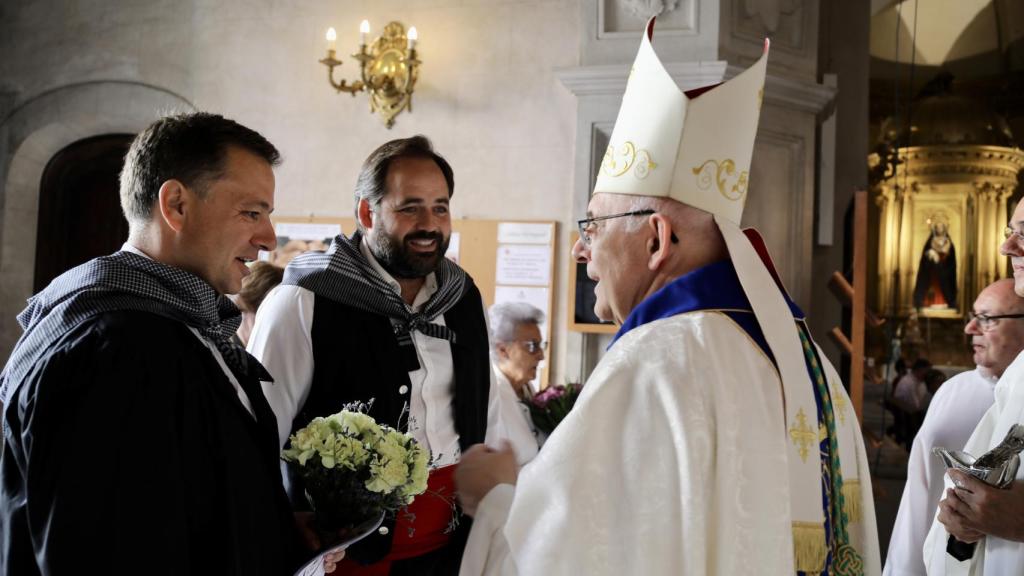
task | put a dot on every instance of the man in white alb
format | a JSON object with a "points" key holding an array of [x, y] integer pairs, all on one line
{"points": [[996, 328], [972, 511]]}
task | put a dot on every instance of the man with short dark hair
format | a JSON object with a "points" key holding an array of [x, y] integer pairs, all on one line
{"points": [[383, 315], [136, 436]]}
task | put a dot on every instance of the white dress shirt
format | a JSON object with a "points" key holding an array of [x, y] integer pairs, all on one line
{"points": [[209, 345], [281, 339], [955, 410]]}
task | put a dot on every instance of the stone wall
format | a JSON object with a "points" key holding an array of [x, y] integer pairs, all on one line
{"points": [[70, 69]]}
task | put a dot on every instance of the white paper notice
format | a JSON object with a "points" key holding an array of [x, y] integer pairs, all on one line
{"points": [[524, 265], [306, 230], [522, 233], [453, 248], [534, 296]]}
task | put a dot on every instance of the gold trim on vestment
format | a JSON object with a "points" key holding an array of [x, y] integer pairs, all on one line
{"points": [[852, 500], [810, 549]]}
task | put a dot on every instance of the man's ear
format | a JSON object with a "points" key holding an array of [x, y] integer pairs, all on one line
{"points": [[659, 241], [172, 200], [365, 214]]}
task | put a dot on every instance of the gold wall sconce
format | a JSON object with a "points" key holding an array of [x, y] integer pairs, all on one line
{"points": [[388, 69]]}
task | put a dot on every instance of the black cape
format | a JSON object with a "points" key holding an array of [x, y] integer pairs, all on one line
{"points": [[128, 451]]}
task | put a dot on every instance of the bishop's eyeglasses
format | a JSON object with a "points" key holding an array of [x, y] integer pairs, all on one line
{"points": [[588, 225]]}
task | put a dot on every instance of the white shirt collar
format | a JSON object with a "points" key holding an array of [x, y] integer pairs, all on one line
{"points": [[426, 291], [128, 247]]}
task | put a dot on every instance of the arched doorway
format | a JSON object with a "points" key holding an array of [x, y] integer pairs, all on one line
{"points": [[79, 207]]}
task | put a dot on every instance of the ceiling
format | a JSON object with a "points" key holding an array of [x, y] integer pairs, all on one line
{"points": [[937, 32], [979, 42]]}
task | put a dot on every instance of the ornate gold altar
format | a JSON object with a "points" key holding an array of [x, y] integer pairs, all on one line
{"points": [[943, 205]]}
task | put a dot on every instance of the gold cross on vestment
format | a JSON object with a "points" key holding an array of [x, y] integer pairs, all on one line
{"points": [[840, 404], [803, 435]]}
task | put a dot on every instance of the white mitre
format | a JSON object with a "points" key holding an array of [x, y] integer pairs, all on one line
{"points": [[670, 143], [695, 147]]}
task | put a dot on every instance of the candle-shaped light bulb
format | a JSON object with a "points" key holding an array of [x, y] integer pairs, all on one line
{"points": [[332, 36], [413, 36], [364, 29]]}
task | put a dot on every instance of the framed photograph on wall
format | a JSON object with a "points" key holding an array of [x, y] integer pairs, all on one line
{"points": [[582, 299], [296, 236]]}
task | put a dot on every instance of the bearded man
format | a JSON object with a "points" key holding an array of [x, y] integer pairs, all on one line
{"points": [[384, 316]]}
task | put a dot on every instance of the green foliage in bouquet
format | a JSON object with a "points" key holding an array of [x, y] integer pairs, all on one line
{"points": [[353, 469], [551, 405]]}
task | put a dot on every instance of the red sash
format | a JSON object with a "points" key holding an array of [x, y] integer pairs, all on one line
{"points": [[419, 530]]}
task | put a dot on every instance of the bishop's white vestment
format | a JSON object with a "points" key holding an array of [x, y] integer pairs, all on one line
{"points": [[673, 460]]}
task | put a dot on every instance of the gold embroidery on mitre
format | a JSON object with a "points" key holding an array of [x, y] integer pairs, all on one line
{"points": [[644, 166], [810, 550], [616, 164], [803, 435], [760, 97], [723, 175]]}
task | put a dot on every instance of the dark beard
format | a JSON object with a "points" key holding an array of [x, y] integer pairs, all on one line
{"points": [[403, 263]]}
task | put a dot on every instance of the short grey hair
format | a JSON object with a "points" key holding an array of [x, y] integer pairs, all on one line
{"points": [[505, 317], [638, 203]]}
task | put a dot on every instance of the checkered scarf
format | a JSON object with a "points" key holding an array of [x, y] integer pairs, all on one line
{"points": [[124, 281], [343, 274]]}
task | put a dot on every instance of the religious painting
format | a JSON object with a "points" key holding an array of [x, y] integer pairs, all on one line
{"points": [[937, 280], [940, 224], [936, 285]]}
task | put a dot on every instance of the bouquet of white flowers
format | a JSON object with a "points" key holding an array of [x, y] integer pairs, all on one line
{"points": [[355, 470]]}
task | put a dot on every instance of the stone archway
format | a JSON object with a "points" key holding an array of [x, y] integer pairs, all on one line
{"points": [[35, 131]]}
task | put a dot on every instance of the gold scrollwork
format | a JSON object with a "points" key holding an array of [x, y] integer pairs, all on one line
{"points": [[616, 164], [723, 176], [644, 165]]}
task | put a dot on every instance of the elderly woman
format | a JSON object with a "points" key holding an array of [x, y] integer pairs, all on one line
{"points": [[516, 350]]}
